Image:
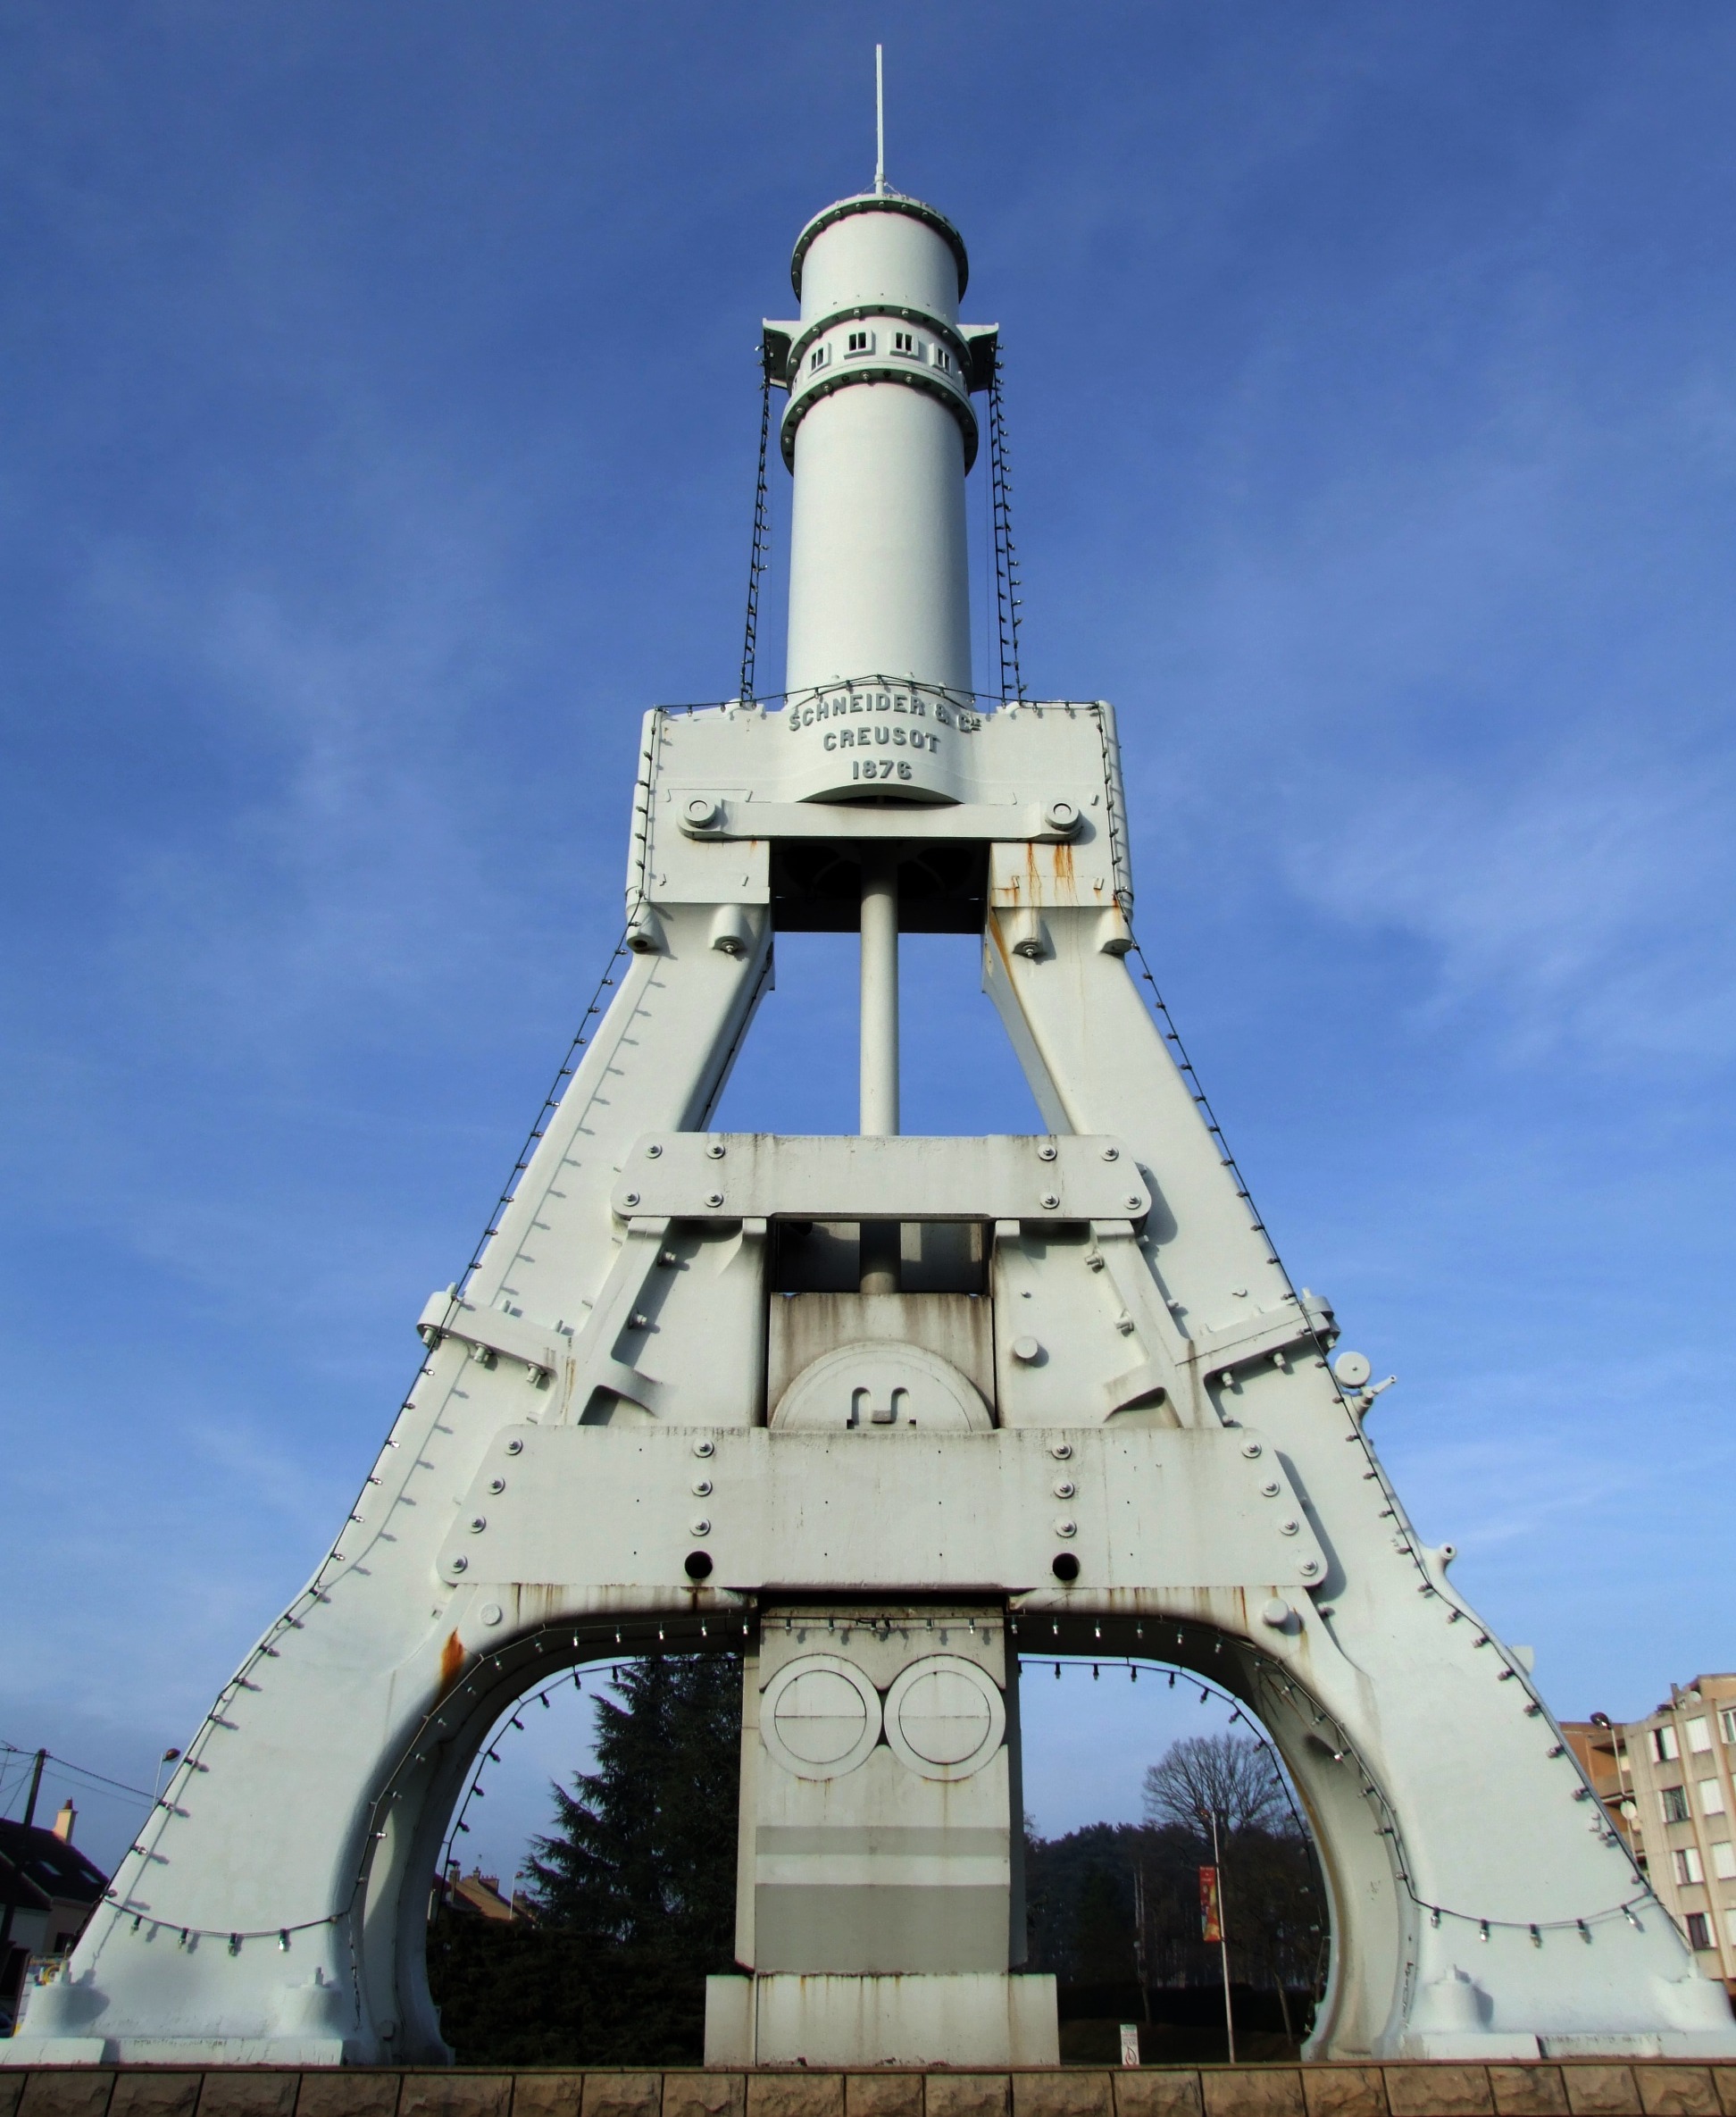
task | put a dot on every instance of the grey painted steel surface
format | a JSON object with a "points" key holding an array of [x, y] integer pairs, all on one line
{"points": [[1095, 1415]]}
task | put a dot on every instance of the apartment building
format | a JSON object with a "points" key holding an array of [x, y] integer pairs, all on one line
{"points": [[1668, 1783]]}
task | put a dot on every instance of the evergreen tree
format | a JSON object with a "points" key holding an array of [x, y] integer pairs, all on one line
{"points": [[635, 1887], [643, 1852]]}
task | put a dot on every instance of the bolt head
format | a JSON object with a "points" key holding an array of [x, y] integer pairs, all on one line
{"points": [[1045, 1152], [1049, 1202], [652, 1152], [1026, 1350], [1065, 1526], [700, 811], [714, 1198], [629, 1198]]}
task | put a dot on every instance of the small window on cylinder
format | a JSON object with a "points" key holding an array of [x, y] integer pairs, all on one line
{"points": [[943, 361], [860, 341], [904, 342], [818, 358]]}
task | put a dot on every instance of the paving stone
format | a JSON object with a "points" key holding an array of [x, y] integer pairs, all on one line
{"points": [[12, 2086], [1438, 2090], [448, 2093], [543, 2094], [1724, 2078], [154, 2094], [343, 2091], [239, 2091], [795, 2095], [1528, 2090], [1676, 2090], [980, 2094], [1252, 2091], [703, 2095], [1082, 2094], [1344, 2091], [1162, 2091], [621, 2095], [883, 2095], [66, 2091], [1601, 2090]]}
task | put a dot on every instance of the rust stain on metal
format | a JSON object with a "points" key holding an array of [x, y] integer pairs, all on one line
{"points": [[452, 1662]]}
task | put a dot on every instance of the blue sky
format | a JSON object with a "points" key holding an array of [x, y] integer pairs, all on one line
{"points": [[382, 406]]}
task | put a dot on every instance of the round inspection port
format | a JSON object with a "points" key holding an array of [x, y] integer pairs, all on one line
{"points": [[1065, 1565], [698, 1565]]}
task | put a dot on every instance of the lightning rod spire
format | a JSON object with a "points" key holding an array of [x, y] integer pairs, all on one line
{"points": [[879, 119]]}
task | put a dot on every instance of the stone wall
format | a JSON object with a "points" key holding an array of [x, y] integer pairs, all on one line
{"points": [[1585, 2090]]}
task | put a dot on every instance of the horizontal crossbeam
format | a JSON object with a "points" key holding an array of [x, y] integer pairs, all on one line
{"points": [[762, 1176], [1052, 823]]}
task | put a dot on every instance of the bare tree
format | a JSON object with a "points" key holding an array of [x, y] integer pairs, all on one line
{"points": [[1225, 1775]]}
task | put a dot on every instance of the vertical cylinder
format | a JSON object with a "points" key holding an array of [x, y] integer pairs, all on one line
{"points": [[880, 1240], [879, 434]]}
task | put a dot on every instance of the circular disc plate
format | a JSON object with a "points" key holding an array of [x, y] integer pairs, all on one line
{"points": [[945, 1718], [819, 1717]]}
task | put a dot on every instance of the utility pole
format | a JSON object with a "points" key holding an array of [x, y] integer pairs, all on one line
{"points": [[11, 1879]]}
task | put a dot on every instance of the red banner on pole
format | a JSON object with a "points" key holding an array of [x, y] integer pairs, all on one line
{"points": [[1211, 1921]]}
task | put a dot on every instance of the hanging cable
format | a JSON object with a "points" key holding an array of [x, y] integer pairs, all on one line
{"points": [[1007, 599], [762, 537]]}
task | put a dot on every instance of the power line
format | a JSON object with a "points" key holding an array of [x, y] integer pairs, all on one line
{"points": [[78, 1770]]}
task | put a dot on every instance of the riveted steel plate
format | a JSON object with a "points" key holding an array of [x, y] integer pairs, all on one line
{"points": [[762, 1176]]}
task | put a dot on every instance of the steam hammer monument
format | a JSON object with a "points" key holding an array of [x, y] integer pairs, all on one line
{"points": [[879, 1413]]}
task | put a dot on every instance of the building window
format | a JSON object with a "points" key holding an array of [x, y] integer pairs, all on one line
{"points": [[943, 361], [1700, 1737], [1730, 1927], [859, 341], [1687, 1867], [1727, 1723], [1723, 1860], [1673, 1800], [1711, 1797], [904, 342], [818, 358], [1664, 1745], [1698, 1934]]}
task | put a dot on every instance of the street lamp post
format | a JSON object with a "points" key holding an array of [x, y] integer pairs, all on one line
{"points": [[1209, 1817]]}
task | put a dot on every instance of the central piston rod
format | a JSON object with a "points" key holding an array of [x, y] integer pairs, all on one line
{"points": [[879, 1046]]}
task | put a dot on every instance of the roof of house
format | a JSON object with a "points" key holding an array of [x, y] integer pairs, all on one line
{"points": [[37, 1868]]}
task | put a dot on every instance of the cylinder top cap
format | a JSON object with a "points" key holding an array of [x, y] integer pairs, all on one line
{"points": [[881, 202]]}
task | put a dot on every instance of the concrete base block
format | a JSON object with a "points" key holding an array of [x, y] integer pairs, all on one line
{"points": [[982, 2018]]}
